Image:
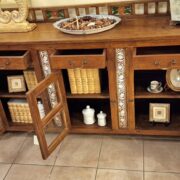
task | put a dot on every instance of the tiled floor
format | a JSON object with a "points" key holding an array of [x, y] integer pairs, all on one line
{"points": [[90, 157]]}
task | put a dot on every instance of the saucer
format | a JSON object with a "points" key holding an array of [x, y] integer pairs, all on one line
{"points": [[155, 91]]}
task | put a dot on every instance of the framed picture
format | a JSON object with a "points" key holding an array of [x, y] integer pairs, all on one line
{"points": [[16, 83], [159, 112]]}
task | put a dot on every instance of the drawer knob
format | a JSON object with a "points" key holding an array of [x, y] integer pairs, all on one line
{"points": [[173, 62], [84, 62], [71, 63], [156, 63], [7, 63]]}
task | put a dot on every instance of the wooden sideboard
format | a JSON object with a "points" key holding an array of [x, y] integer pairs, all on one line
{"points": [[129, 56]]}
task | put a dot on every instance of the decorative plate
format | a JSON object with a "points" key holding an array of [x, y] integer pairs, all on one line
{"points": [[173, 79], [88, 24]]}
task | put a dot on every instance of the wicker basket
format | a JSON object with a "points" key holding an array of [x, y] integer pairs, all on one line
{"points": [[19, 111], [84, 81], [30, 78]]}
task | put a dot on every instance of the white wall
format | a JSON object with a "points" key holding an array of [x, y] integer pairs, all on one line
{"points": [[66, 2], [45, 3]]}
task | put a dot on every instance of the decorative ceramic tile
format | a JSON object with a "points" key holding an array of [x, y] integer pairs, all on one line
{"points": [[139, 9], [121, 87], [56, 14], [115, 11]]}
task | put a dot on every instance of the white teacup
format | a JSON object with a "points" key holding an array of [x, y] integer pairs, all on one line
{"points": [[155, 85]]}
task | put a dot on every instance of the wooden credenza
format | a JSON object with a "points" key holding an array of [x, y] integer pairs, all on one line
{"points": [[127, 57]]}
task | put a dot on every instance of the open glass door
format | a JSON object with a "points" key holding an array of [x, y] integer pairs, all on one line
{"points": [[49, 111]]}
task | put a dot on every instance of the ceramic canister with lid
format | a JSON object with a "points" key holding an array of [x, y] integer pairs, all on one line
{"points": [[88, 115], [101, 118]]}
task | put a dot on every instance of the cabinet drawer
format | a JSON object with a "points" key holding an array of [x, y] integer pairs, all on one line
{"points": [[157, 61], [12, 60], [86, 58]]}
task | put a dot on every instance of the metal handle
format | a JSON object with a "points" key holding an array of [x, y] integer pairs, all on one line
{"points": [[7, 63], [173, 62], [2, 67], [84, 62], [156, 63], [71, 63]]}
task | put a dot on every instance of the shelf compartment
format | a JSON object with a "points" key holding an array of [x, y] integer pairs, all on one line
{"points": [[76, 112], [103, 95], [4, 94], [142, 94], [142, 115], [103, 85], [14, 60], [78, 58]]}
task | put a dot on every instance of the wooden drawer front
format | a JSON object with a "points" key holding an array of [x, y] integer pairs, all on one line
{"points": [[13, 60], [164, 61], [78, 61]]}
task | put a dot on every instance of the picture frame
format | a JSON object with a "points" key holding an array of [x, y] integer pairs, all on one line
{"points": [[16, 83], [159, 112]]}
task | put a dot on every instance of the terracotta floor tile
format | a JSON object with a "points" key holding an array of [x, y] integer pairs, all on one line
{"points": [[162, 156], [73, 173], [80, 150], [3, 170], [161, 176], [29, 172], [121, 153], [30, 154], [108, 174], [10, 144]]}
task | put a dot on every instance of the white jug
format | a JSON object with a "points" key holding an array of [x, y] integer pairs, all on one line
{"points": [[101, 118], [88, 115]]}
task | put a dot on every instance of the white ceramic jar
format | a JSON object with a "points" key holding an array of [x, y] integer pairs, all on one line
{"points": [[101, 118], [88, 115]]}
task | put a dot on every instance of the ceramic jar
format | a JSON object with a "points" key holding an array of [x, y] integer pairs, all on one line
{"points": [[101, 118], [88, 115]]}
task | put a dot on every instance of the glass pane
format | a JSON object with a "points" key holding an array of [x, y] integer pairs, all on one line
{"points": [[51, 131], [47, 100]]}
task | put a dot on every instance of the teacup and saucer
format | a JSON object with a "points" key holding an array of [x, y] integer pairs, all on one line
{"points": [[155, 87]]}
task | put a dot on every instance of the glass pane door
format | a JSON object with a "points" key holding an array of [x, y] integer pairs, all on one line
{"points": [[49, 111]]}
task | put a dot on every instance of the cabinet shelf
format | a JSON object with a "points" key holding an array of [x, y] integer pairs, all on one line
{"points": [[4, 94], [20, 127], [77, 122], [142, 94], [142, 123], [103, 95]]}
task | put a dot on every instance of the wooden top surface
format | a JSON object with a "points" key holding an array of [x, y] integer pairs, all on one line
{"points": [[134, 30]]}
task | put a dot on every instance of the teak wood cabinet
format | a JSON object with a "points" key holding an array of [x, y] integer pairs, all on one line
{"points": [[127, 57]]}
